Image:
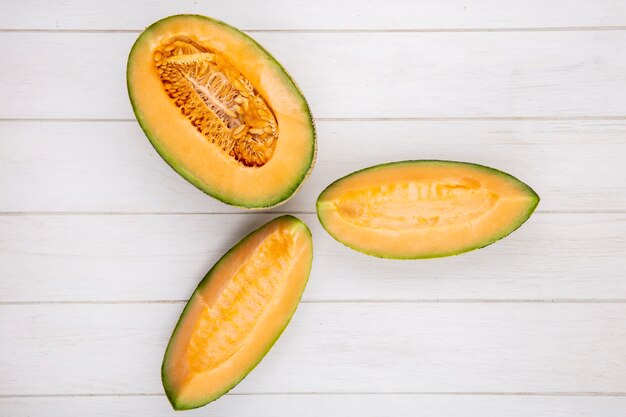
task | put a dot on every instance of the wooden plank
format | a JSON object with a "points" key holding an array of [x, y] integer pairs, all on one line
{"points": [[339, 347], [321, 14], [130, 258], [531, 326], [111, 167], [398, 405], [350, 75]]}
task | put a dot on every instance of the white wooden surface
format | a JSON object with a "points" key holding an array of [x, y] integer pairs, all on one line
{"points": [[101, 243]]}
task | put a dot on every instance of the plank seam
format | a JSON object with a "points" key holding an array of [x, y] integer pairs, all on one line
{"points": [[239, 213], [344, 301], [350, 119], [408, 393], [355, 30], [147, 213]]}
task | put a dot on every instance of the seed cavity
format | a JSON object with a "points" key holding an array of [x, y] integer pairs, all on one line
{"points": [[217, 100]]}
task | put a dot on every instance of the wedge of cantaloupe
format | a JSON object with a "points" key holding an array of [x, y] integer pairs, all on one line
{"points": [[237, 312], [424, 209], [221, 111]]}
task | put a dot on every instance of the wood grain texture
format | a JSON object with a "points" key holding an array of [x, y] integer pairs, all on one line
{"points": [[321, 14], [341, 348], [111, 167], [163, 257], [350, 75], [101, 243], [398, 405]]}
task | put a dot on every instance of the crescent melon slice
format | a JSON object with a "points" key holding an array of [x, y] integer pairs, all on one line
{"points": [[221, 111], [424, 208], [237, 312]]}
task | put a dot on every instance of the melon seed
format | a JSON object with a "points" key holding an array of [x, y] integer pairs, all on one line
{"points": [[216, 99]]}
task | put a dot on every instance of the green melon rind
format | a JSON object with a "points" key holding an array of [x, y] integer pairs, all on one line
{"points": [[169, 390], [189, 176], [520, 221]]}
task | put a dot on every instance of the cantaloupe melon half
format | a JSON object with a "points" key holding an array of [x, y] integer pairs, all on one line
{"points": [[237, 312], [424, 209], [221, 111]]}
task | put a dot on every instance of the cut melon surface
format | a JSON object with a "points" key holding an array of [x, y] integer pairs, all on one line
{"points": [[237, 312], [221, 111], [424, 208]]}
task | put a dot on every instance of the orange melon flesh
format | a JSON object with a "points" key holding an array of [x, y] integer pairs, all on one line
{"points": [[198, 142], [237, 313], [424, 209]]}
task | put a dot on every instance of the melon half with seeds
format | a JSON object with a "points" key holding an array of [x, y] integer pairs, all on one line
{"points": [[221, 111], [237, 312], [424, 209]]}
